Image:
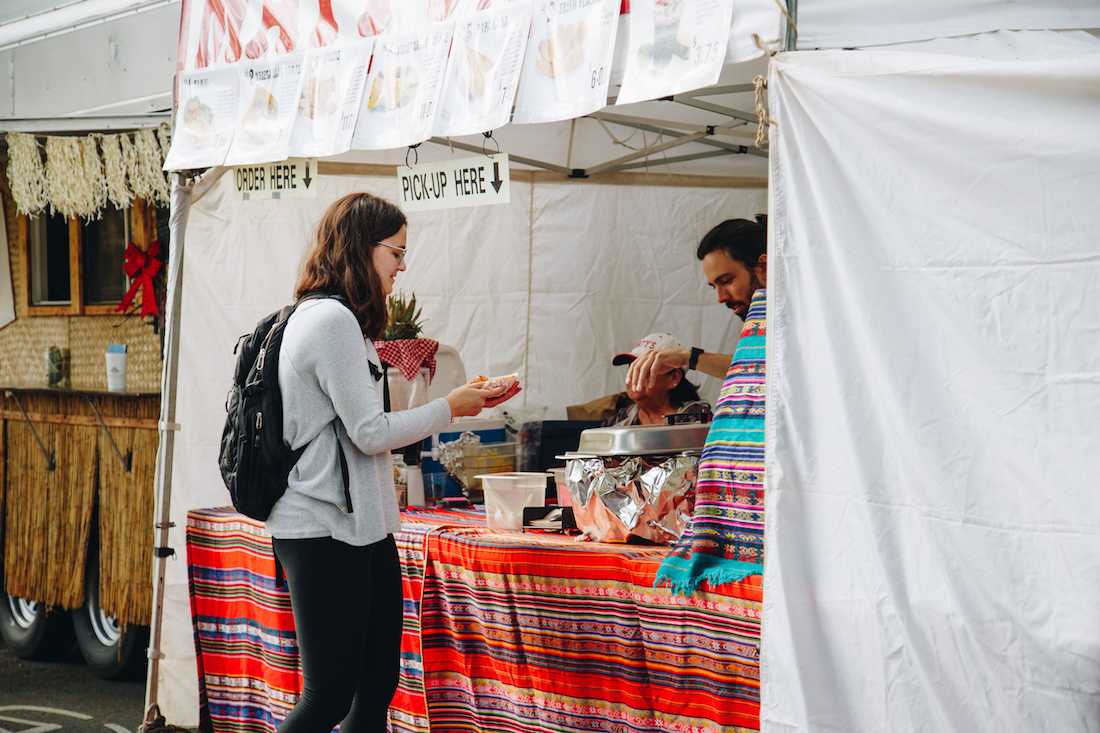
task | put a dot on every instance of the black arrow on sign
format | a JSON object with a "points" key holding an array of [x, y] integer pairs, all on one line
{"points": [[497, 183], [307, 179]]}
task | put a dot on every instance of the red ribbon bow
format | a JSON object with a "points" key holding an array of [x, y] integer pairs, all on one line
{"points": [[141, 267]]}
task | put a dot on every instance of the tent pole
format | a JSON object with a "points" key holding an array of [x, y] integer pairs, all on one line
{"points": [[747, 117], [676, 159], [736, 128], [519, 159], [629, 122], [721, 89], [181, 203], [676, 141], [792, 27]]}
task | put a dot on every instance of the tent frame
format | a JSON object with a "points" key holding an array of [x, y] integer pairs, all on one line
{"points": [[182, 197]]}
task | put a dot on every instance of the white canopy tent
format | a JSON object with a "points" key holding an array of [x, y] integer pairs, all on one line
{"points": [[866, 628], [804, 631], [549, 285]]}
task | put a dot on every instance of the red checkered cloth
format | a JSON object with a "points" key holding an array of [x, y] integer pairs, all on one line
{"points": [[409, 355]]}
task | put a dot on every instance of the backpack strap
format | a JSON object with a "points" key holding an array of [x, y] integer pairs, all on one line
{"points": [[343, 467], [385, 387]]}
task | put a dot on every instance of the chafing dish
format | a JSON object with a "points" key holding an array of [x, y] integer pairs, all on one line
{"points": [[642, 440], [635, 481]]}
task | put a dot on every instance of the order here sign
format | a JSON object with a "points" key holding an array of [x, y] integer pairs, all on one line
{"points": [[477, 181], [294, 178]]}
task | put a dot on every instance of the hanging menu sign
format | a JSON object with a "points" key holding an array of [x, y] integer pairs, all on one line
{"points": [[289, 179], [267, 106], [568, 65], [674, 46], [205, 119], [332, 91], [399, 105], [478, 181], [483, 71]]}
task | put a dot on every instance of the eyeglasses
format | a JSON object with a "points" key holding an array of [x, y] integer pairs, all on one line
{"points": [[401, 257]]}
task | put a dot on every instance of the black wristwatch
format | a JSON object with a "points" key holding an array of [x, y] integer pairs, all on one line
{"points": [[693, 360]]}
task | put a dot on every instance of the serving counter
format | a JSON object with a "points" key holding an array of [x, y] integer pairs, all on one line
{"points": [[503, 632]]}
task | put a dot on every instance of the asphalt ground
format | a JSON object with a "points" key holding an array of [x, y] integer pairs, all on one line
{"points": [[42, 697]]}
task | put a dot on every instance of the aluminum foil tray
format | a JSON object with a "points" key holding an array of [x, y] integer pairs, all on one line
{"points": [[643, 440]]}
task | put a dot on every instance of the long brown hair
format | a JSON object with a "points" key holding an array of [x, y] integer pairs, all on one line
{"points": [[340, 260]]}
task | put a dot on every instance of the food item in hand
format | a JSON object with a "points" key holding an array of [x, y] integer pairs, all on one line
{"points": [[509, 381]]}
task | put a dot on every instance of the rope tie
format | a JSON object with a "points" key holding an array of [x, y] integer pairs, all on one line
{"points": [[762, 119]]}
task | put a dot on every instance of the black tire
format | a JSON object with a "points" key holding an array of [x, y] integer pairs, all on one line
{"points": [[33, 631], [111, 652]]}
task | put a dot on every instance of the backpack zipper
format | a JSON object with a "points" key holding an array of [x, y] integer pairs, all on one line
{"points": [[260, 359], [259, 429]]}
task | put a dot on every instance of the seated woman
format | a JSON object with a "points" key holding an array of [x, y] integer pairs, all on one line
{"points": [[672, 394]]}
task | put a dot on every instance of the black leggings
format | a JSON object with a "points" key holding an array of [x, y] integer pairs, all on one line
{"points": [[347, 612]]}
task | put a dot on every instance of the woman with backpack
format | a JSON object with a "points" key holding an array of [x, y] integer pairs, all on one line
{"points": [[333, 527]]}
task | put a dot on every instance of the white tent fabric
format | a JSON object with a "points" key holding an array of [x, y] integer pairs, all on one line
{"points": [[7, 296], [549, 286], [851, 23], [933, 534]]}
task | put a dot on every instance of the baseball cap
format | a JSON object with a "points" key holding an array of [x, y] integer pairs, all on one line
{"points": [[652, 342]]}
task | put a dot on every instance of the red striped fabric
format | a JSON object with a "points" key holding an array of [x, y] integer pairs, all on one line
{"points": [[544, 633], [519, 632]]}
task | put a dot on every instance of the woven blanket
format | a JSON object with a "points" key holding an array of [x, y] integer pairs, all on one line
{"points": [[245, 644], [724, 541], [523, 634]]}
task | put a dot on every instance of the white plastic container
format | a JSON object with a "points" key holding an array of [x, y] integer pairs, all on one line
{"points": [[116, 372], [506, 494]]}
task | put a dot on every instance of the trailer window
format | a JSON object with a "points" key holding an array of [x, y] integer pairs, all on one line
{"points": [[104, 243], [50, 278]]}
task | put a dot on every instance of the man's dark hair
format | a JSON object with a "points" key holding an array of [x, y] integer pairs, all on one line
{"points": [[741, 239]]}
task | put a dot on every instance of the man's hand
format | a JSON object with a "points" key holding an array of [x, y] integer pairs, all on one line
{"points": [[645, 370]]}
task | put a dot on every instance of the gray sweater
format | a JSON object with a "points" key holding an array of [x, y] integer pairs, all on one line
{"points": [[328, 394]]}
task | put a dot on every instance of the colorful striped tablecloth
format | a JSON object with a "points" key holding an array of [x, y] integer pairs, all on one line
{"points": [[520, 633], [244, 629]]}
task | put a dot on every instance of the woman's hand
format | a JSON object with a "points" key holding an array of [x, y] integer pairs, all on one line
{"points": [[468, 400]]}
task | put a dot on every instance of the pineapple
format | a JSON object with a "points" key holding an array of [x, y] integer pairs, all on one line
{"points": [[403, 318]]}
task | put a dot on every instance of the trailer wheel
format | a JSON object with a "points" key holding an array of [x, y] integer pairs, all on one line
{"points": [[111, 650], [33, 631]]}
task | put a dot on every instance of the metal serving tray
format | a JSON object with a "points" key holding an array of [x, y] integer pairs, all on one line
{"points": [[643, 440]]}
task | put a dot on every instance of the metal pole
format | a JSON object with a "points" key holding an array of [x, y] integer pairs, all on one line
{"points": [[181, 203], [710, 141], [721, 109], [447, 142], [792, 27], [646, 152]]}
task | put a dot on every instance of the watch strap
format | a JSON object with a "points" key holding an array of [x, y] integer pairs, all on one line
{"points": [[693, 360]]}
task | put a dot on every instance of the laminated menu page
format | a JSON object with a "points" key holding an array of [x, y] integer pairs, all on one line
{"points": [[568, 65], [332, 91], [673, 46], [402, 90], [205, 119], [483, 71], [267, 105]]}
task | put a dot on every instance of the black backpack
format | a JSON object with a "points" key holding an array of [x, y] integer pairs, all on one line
{"points": [[254, 459]]}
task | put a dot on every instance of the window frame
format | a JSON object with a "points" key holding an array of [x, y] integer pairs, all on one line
{"points": [[142, 232]]}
